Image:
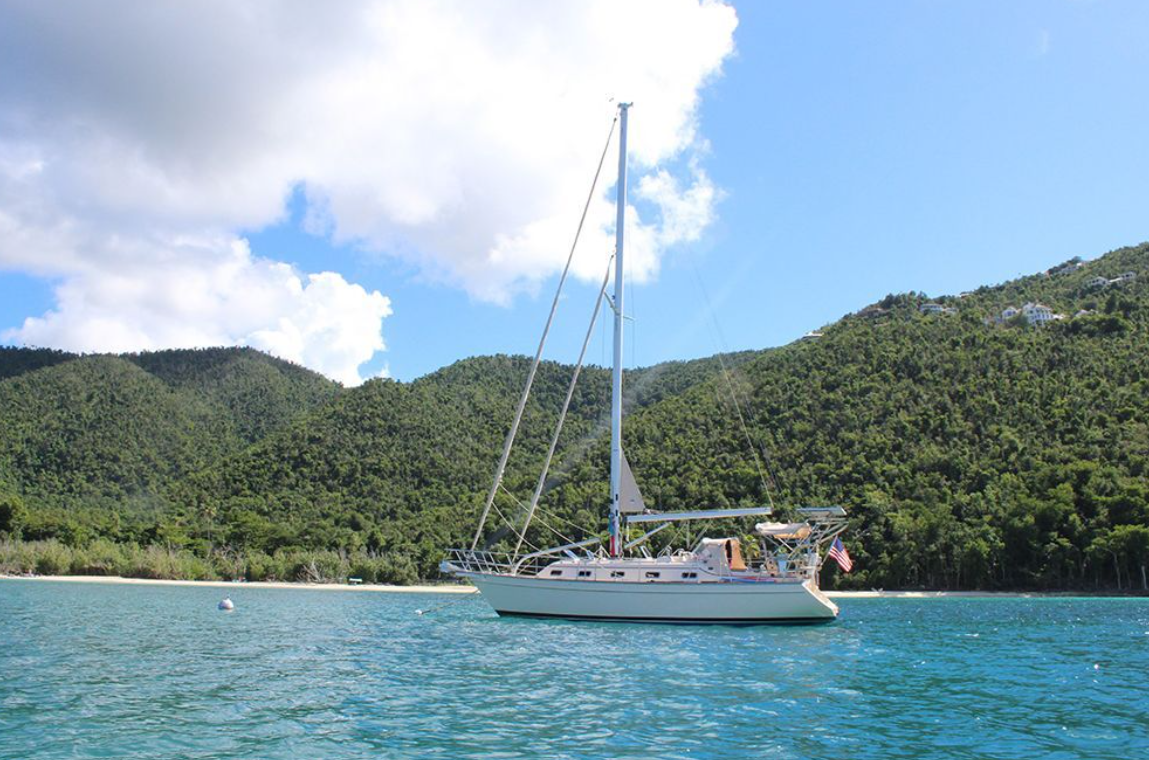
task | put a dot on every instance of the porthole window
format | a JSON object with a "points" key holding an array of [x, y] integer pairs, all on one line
{"points": [[584, 573]]}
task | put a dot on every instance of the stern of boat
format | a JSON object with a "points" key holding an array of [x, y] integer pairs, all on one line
{"points": [[821, 598]]}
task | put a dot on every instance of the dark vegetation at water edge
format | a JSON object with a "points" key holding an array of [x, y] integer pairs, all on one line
{"points": [[971, 454], [102, 556]]}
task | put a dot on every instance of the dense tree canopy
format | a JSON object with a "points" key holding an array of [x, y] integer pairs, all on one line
{"points": [[971, 453]]}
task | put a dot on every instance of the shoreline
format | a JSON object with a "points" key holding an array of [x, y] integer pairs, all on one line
{"points": [[120, 580], [449, 588], [883, 594]]}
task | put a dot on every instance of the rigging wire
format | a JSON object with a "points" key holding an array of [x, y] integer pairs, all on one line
{"points": [[733, 394], [633, 316], [566, 403], [602, 345], [522, 536], [558, 518], [502, 466], [509, 524], [548, 526]]}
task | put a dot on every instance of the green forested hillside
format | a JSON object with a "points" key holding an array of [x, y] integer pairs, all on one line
{"points": [[17, 361], [91, 443], [255, 393], [394, 466], [970, 454]]}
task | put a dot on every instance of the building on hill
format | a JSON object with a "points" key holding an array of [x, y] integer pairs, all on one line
{"points": [[1083, 313], [936, 308], [1096, 282], [1067, 267], [871, 312], [1038, 314], [812, 335], [1034, 313], [1123, 278]]}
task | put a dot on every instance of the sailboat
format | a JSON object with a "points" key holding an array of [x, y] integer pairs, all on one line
{"points": [[713, 582]]}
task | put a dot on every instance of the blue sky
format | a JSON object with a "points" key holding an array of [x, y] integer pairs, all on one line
{"points": [[858, 149]]}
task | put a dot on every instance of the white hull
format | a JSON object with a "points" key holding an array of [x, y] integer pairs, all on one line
{"points": [[722, 603]]}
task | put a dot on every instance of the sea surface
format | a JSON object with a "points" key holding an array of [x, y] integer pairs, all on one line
{"points": [[120, 671]]}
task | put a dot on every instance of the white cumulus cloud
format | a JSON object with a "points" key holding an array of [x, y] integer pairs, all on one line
{"points": [[211, 291], [139, 140]]}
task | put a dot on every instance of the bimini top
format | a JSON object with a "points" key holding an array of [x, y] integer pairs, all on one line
{"points": [[787, 531]]}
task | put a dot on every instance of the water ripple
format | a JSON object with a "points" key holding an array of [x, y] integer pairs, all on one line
{"points": [[94, 671]]}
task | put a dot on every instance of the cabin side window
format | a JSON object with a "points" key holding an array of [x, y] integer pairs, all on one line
{"points": [[556, 571], [584, 573], [690, 575], [617, 574], [652, 574]]}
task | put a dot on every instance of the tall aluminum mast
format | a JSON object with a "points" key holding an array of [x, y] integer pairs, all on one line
{"points": [[616, 386]]}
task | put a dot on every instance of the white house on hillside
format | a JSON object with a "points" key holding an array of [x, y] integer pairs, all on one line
{"points": [[1124, 277], [1037, 314], [1096, 282], [936, 308]]}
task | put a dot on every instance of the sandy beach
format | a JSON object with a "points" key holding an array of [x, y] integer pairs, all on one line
{"points": [[427, 589], [876, 594]]}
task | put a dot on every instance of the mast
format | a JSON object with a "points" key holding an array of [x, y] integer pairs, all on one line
{"points": [[616, 385]]}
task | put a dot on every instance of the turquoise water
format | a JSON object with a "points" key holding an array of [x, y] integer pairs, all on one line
{"points": [[106, 671]]}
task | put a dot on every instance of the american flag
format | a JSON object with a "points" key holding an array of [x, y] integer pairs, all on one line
{"points": [[840, 555]]}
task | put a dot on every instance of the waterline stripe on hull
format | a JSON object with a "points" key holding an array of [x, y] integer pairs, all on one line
{"points": [[672, 620]]}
